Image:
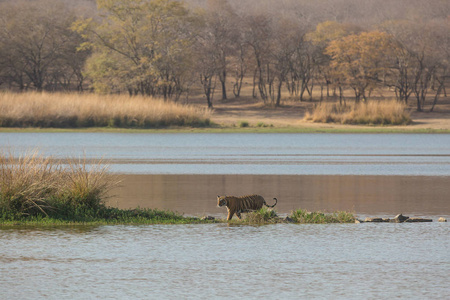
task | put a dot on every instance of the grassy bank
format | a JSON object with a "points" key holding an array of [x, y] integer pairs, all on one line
{"points": [[59, 110], [371, 113], [37, 190]]}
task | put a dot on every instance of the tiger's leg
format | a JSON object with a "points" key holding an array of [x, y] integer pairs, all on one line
{"points": [[238, 214], [230, 214]]}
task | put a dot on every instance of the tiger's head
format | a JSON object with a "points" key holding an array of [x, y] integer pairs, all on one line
{"points": [[222, 201]]}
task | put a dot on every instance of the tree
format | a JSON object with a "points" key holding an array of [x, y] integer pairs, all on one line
{"points": [[37, 47], [258, 36], [221, 23], [286, 55], [360, 60], [142, 46], [420, 58], [325, 33]]}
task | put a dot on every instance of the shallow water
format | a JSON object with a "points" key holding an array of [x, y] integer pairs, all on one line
{"points": [[289, 154], [216, 261], [384, 196], [375, 175]]}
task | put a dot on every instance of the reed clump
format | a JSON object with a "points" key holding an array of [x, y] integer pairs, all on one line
{"points": [[38, 190], [32, 185], [368, 113], [303, 216], [73, 110]]}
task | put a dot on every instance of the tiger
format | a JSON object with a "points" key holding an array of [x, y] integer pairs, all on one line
{"points": [[243, 204]]}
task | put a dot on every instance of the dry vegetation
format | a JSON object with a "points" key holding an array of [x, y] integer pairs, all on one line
{"points": [[89, 110], [374, 112], [44, 191], [33, 184]]}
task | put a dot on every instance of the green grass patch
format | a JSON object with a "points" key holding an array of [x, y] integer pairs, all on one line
{"points": [[100, 216], [303, 216], [263, 216]]}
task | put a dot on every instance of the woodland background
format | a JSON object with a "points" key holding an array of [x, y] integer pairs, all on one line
{"points": [[172, 49]]}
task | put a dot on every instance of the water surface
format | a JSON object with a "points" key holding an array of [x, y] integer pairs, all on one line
{"points": [[289, 154], [376, 175], [384, 196], [364, 261]]}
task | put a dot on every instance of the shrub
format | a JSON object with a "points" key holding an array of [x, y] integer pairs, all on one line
{"points": [[373, 113], [243, 124]]}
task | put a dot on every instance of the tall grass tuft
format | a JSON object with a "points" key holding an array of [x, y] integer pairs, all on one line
{"points": [[304, 217], [74, 110], [262, 216], [34, 185], [371, 113]]}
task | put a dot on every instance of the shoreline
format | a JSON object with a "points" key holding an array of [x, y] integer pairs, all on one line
{"points": [[315, 128]]}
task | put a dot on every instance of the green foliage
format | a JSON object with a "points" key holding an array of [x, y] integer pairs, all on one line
{"points": [[243, 124], [304, 217]]}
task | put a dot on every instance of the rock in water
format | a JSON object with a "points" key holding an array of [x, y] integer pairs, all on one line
{"points": [[289, 220], [442, 219], [374, 220], [399, 219], [414, 220]]}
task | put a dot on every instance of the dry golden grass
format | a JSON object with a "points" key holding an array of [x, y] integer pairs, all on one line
{"points": [[372, 113], [32, 183], [89, 110]]}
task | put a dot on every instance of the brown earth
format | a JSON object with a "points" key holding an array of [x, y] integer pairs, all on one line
{"points": [[290, 114]]}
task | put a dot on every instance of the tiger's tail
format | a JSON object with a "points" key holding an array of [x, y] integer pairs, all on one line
{"points": [[276, 201]]}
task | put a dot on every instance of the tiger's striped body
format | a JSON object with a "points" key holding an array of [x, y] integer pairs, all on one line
{"points": [[243, 204]]}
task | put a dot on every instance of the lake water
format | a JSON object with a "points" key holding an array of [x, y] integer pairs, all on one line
{"points": [[372, 175], [278, 154], [350, 261]]}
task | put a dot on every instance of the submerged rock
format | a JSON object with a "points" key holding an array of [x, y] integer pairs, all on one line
{"points": [[413, 220], [442, 219], [399, 218], [289, 220], [373, 220]]}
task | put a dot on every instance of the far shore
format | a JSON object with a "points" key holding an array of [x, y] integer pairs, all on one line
{"points": [[247, 115], [303, 128]]}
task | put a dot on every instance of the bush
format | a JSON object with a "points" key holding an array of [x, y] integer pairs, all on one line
{"points": [[371, 113], [243, 124]]}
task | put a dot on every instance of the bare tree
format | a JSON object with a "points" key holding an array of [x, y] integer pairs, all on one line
{"points": [[38, 48], [221, 25]]}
